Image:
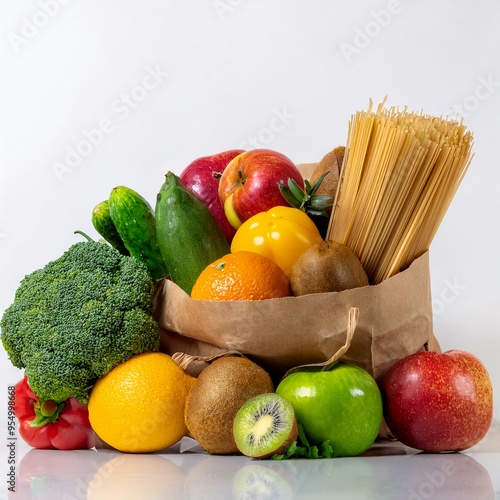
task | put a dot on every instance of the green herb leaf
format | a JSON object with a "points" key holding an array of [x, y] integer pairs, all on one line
{"points": [[318, 183], [302, 436], [323, 199], [287, 194], [290, 449], [297, 191], [305, 199], [302, 449], [288, 452], [326, 449], [302, 452]]}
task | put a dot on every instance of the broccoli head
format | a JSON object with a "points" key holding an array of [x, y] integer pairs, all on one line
{"points": [[75, 319]]}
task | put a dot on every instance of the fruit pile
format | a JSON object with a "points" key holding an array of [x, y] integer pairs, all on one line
{"points": [[233, 226]]}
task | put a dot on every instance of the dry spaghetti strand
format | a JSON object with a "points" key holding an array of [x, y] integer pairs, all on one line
{"points": [[399, 176]]}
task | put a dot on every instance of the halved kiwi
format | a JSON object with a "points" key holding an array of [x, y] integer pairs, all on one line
{"points": [[264, 425]]}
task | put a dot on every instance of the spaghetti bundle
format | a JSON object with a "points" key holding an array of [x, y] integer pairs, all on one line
{"points": [[398, 178]]}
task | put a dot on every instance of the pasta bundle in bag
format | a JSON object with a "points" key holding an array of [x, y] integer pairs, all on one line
{"points": [[398, 178]]}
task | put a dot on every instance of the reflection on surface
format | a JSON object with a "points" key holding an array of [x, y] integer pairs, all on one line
{"points": [[260, 480], [394, 473], [213, 477], [95, 475], [396, 477], [50, 473], [135, 477]]}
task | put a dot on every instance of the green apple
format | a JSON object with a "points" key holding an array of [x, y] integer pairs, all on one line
{"points": [[342, 404]]}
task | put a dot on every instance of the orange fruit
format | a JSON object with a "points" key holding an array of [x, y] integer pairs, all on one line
{"points": [[138, 407], [241, 276]]}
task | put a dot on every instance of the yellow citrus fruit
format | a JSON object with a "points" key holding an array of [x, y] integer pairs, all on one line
{"points": [[241, 276], [138, 407]]}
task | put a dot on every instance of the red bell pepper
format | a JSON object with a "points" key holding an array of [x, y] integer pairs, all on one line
{"points": [[49, 424]]}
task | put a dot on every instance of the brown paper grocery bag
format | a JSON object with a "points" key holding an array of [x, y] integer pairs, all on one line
{"points": [[394, 320]]}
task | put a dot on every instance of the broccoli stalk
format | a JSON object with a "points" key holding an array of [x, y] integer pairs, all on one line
{"points": [[78, 317]]}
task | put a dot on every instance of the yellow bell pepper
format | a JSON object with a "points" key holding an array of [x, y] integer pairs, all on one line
{"points": [[281, 234]]}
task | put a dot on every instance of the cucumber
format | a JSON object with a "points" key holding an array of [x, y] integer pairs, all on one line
{"points": [[134, 220], [104, 225], [189, 237]]}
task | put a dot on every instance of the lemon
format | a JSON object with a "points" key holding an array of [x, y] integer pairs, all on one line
{"points": [[138, 407]]}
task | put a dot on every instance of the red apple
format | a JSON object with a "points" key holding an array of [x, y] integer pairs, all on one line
{"points": [[201, 177], [438, 401], [250, 183]]}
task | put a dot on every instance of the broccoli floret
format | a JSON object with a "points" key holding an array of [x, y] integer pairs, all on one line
{"points": [[78, 317]]}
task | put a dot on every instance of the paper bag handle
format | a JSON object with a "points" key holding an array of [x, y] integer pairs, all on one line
{"points": [[184, 360], [325, 365]]}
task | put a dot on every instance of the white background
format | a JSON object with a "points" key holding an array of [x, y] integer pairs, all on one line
{"points": [[285, 73]]}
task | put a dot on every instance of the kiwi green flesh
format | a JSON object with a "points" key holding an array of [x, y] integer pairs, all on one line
{"points": [[264, 425]]}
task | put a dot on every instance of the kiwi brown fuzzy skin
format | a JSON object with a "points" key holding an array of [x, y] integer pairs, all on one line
{"points": [[327, 267], [217, 395], [332, 163]]}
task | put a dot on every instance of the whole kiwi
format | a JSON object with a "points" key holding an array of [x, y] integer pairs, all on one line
{"points": [[332, 163], [327, 267], [218, 393]]}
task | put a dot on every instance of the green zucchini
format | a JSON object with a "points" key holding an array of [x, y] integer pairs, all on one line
{"points": [[189, 237], [104, 225], [134, 220]]}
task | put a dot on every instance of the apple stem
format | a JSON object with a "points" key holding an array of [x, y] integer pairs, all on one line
{"points": [[217, 175], [241, 177]]}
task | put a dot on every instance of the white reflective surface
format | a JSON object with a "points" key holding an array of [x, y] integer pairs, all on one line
{"points": [[386, 471]]}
